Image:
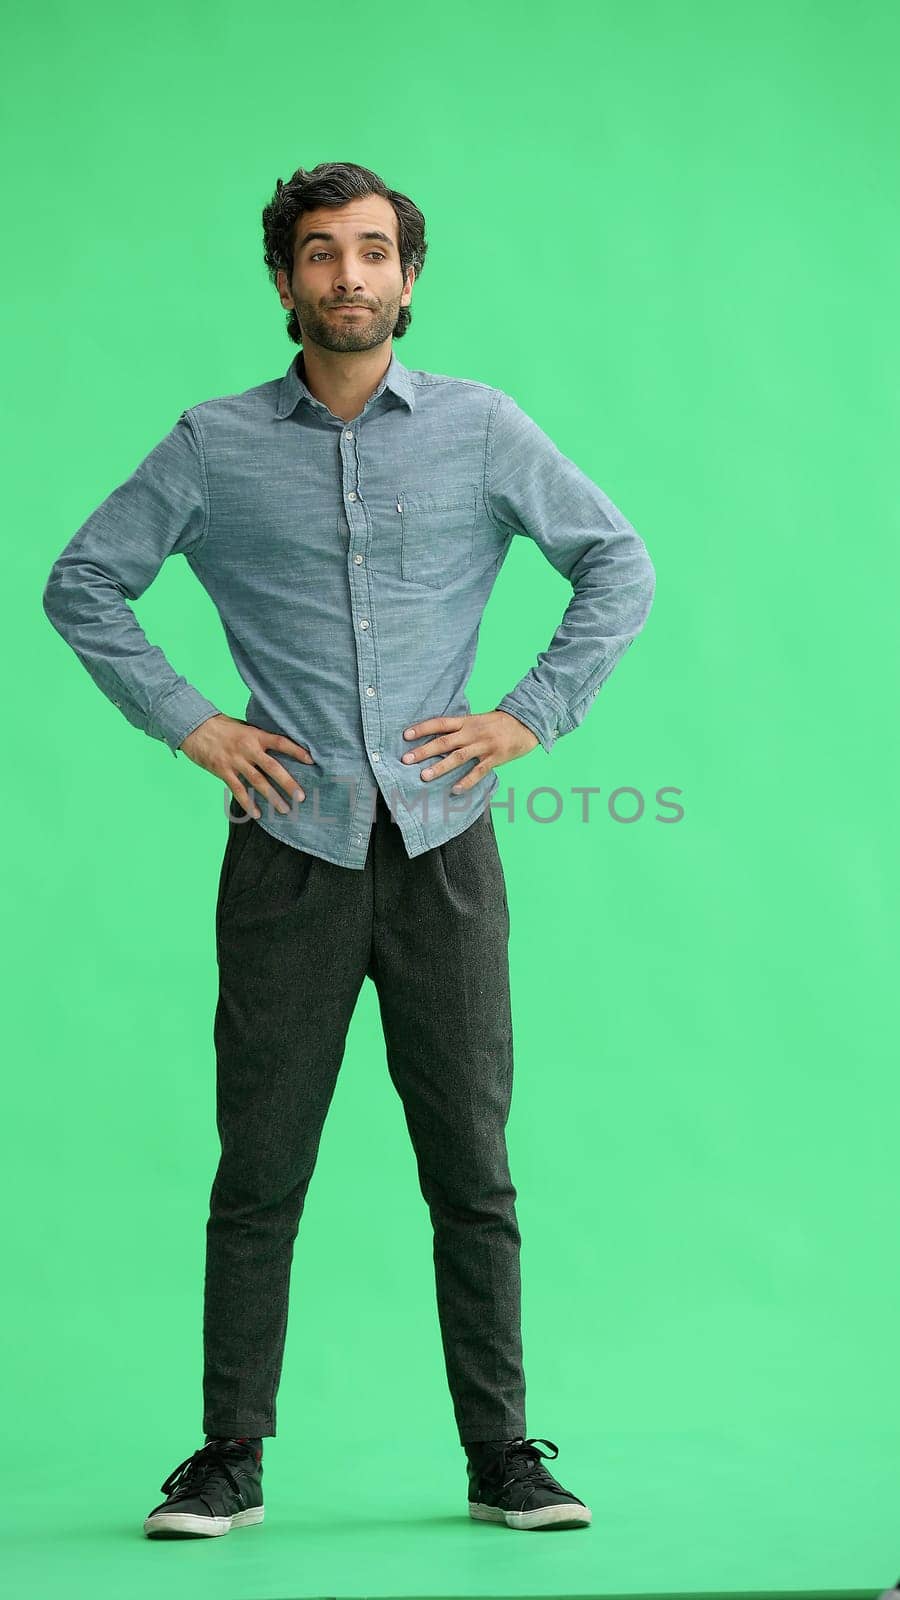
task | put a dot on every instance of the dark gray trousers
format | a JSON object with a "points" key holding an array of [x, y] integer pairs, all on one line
{"points": [[296, 936]]}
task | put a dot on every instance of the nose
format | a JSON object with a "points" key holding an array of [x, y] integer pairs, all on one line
{"points": [[347, 288]]}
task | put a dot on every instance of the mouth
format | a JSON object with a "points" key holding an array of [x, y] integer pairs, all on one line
{"points": [[349, 308]]}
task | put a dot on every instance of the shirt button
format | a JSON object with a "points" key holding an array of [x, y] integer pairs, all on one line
{"points": [[357, 560], [376, 755], [352, 495], [370, 690], [348, 434], [364, 623]]}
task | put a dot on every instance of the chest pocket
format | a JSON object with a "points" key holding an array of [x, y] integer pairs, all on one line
{"points": [[437, 534]]}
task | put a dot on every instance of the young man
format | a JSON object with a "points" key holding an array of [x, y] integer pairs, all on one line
{"points": [[348, 521]]}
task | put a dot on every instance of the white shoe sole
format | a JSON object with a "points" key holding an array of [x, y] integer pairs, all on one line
{"points": [[190, 1522], [561, 1516]]}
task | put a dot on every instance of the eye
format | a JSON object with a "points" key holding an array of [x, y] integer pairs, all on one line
{"points": [[379, 253]]}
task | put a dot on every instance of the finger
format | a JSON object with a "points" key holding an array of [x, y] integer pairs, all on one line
{"points": [[277, 771], [420, 753], [434, 725], [449, 762], [241, 794], [471, 778], [434, 747], [280, 741], [261, 784]]}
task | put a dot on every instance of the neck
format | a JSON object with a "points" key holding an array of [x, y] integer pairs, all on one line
{"points": [[342, 386]]}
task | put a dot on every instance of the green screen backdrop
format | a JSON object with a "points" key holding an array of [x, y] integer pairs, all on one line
{"points": [[671, 234]]}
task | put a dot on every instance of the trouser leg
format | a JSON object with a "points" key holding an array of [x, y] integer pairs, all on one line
{"points": [[440, 966], [293, 940]]}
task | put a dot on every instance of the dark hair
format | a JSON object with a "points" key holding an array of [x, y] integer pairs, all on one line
{"points": [[334, 183]]}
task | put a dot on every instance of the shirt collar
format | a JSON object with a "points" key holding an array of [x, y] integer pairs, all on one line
{"points": [[292, 387]]}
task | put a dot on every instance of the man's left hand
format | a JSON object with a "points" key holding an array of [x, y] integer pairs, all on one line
{"points": [[492, 736]]}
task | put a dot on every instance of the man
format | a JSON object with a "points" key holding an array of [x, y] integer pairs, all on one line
{"points": [[348, 521]]}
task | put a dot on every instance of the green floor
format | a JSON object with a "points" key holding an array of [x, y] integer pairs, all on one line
{"points": [[673, 1515]]}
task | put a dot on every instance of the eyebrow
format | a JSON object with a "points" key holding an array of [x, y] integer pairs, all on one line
{"points": [[329, 237]]}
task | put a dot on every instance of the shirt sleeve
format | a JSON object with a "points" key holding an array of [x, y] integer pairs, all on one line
{"points": [[161, 510], [533, 489]]}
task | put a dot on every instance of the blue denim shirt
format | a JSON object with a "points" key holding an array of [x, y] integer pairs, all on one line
{"points": [[350, 564]]}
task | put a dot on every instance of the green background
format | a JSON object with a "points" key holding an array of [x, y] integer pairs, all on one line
{"points": [[671, 234]]}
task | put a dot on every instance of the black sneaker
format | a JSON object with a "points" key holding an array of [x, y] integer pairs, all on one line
{"points": [[216, 1489], [507, 1483]]}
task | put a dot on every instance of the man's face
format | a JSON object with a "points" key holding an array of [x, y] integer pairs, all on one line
{"points": [[345, 270]]}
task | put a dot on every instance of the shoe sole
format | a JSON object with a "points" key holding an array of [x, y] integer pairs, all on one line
{"points": [[562, 1516], [189, 1522]]}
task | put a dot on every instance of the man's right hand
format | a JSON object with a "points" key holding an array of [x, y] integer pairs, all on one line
{"points": [[235, 750]]}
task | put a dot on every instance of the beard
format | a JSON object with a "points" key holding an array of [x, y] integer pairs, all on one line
{"points": [[333, 331]]}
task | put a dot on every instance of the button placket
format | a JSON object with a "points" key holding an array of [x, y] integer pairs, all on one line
{"points": [[367, 663]]}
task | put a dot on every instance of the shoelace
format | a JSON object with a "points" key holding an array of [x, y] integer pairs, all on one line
{"points": [[522, 1459], [196, 1469]]}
